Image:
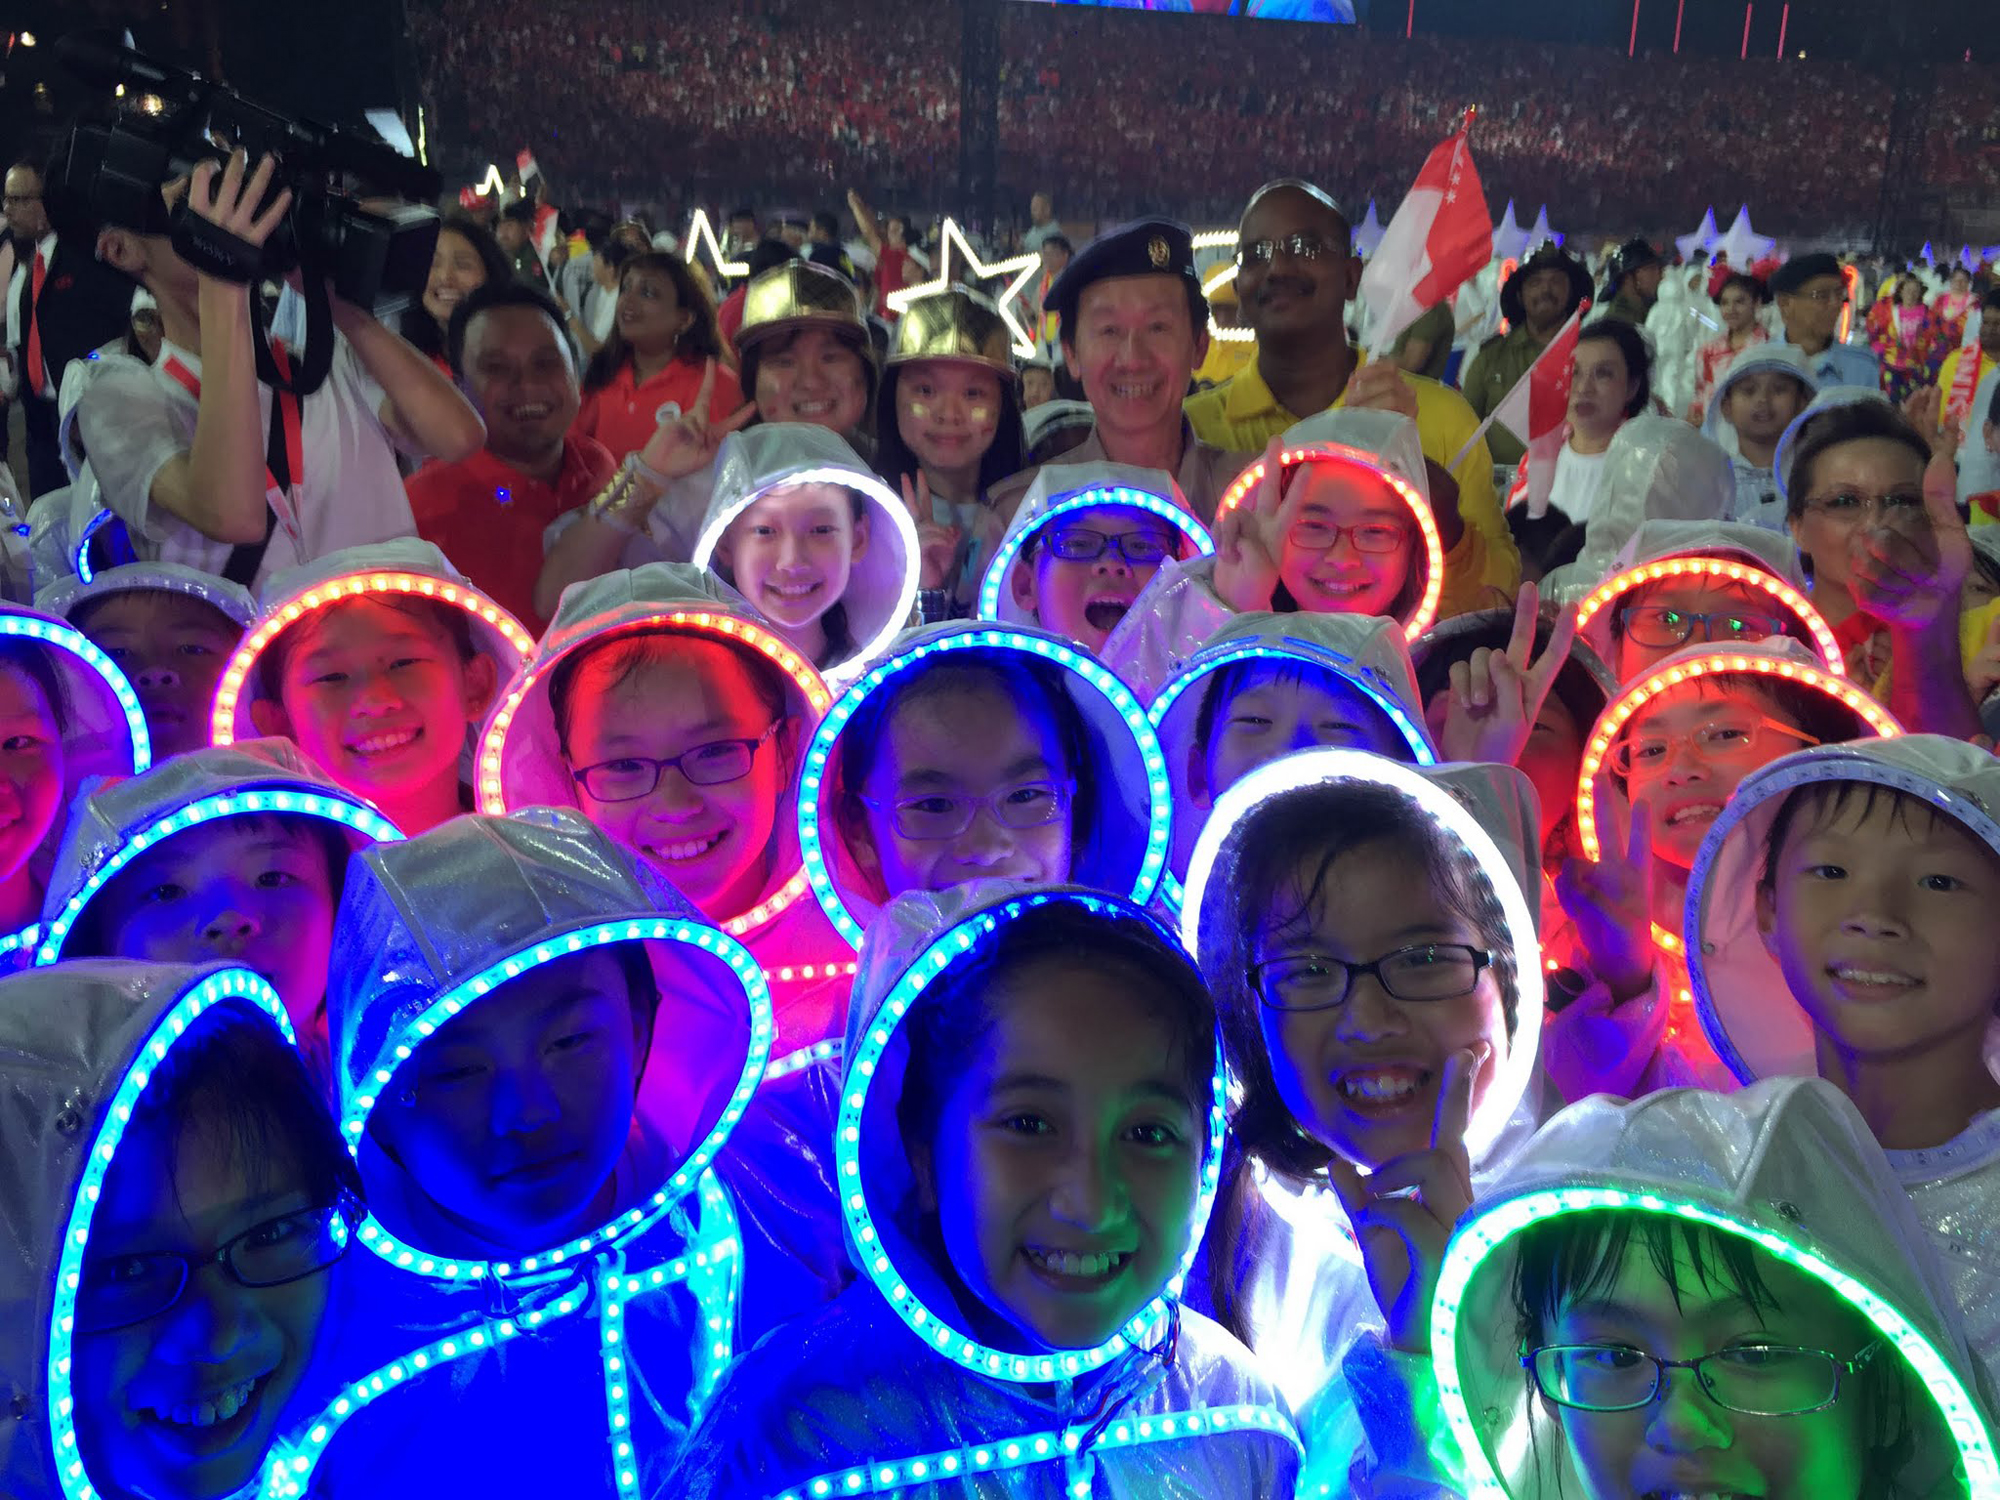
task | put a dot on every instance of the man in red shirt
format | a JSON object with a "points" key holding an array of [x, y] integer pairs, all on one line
{"points": [[488, 512]]}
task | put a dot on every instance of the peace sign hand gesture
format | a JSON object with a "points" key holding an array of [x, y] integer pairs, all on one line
{"points": [[686, 444], [1611, 900], [937, 545], [1250, 539], [1489, 710], [1402, 1213]]}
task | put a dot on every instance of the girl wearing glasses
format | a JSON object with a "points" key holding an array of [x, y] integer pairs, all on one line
{"points": [[1368, 929], [666, 710], [379, 663], [165, 1276], [1701, 1294], [1336, 519], [1083, 545], [1659, 766], [815, 542], [1870, 497], [1864, 953], [1695, 583], [975, 752]]}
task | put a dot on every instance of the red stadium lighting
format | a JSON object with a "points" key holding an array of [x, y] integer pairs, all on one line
{"points": [[1632, 42], [1784, 20], [1679, 12], [1746, 31], [1410, 26]]}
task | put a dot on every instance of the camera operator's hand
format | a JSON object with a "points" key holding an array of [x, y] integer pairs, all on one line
{"points": [[228, 198]]}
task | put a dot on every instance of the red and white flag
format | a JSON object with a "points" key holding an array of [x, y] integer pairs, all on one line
{"points": [[547, 232], [1441, 236], [1534, 411], [525, 166], [471, 199], [1965, 384]]}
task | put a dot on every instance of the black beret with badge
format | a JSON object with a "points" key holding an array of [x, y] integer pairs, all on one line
{"points": [[1145, 247]]}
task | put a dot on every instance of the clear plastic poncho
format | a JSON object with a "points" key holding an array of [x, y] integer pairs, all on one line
{"points": [[888, 1389]]}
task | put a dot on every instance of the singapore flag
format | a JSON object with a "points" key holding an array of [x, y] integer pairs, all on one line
{"points": [[1441, 236]]}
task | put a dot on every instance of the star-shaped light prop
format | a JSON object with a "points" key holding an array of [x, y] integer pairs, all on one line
{"points": [[1541, 230], [1510, 240], [492, 182], [1704, 237], [1745, 246], [700, 237], [1021, 267]]}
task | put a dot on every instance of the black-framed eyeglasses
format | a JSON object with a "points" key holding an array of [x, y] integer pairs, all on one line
{"points": [[1424, 971], [1759, 1380], [1656, 625], [116, 1291], [1852, 505], [945, 815], [1142, 549], [1298, 246], [631, 777], [1373, 537]]}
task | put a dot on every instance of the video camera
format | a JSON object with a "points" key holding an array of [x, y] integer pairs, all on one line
{"points": [[374, 253]]}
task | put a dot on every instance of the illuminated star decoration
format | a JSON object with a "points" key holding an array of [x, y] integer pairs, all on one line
{"points": [[1021, 267], [701, 236], [1221, 276]]}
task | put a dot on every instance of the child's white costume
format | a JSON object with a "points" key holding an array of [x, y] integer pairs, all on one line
{"points": [[890, 1390], [1760, 1031]]}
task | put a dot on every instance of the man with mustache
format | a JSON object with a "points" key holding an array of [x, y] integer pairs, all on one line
{"points": [[1296, 270], [1536, 301]]}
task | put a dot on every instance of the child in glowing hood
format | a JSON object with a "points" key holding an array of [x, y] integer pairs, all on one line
{"points": [[1030, 1135], [541, 1050], [1840, 921]]}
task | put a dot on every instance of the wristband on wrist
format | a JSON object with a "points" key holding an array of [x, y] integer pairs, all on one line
{"points": [[638, 466]]}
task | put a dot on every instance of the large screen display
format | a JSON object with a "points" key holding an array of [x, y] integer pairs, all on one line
{"points": [[1345, 12]]}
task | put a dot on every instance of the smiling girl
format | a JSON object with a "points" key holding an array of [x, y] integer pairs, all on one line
{"points": [[1367, 932], [1031, 1127], [167, 1275], [380, 663], [1336, 520]]}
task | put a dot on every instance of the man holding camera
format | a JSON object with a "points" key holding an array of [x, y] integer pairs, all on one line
{"points": [[210, 467], [61, 304]]}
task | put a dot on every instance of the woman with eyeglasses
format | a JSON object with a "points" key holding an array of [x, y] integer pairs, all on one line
{"points": [[1659, 765], [1368, 931], [1335, 519], [165, 1277], [1702, 1294], [1870, 498]]}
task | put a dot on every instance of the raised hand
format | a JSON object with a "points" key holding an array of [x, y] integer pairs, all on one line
{"points": [[227, 196], [1611, 900], [686, 444], [937, 545], [1250, 538], [1490, 708], [1403, 1212], [1380, 386], [1908, 572]]}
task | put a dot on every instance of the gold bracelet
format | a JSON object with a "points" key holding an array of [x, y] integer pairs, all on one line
{"points": [[619, 504]]}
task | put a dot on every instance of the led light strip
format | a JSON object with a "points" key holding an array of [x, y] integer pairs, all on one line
{"points": [[887, 501], [814, 769], [1250, 478], [222, 720], [799, 1060], [1485, 1232], [980, 1358], [1620, 713], [55, 633], [1171, 894], [1086, 499], [1221, 239], [1306, 768], [1725, 572], [81, 560], [218, 988], [24, 941], [348, 812], [399, 1045], [1047, 1447]]}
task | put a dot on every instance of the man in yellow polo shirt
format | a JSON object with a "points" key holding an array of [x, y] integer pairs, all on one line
{"points": [[1296, 271]]}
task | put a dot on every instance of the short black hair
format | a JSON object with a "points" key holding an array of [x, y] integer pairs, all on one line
{"points": [[1061, 242], [507, 292], [768, 255], [826, 224], [520, 211], [1759, 293], [1637, 352], [743, 213]]}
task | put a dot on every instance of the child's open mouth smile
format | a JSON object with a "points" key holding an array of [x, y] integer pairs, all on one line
{"points": [[1076, 1271]]}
